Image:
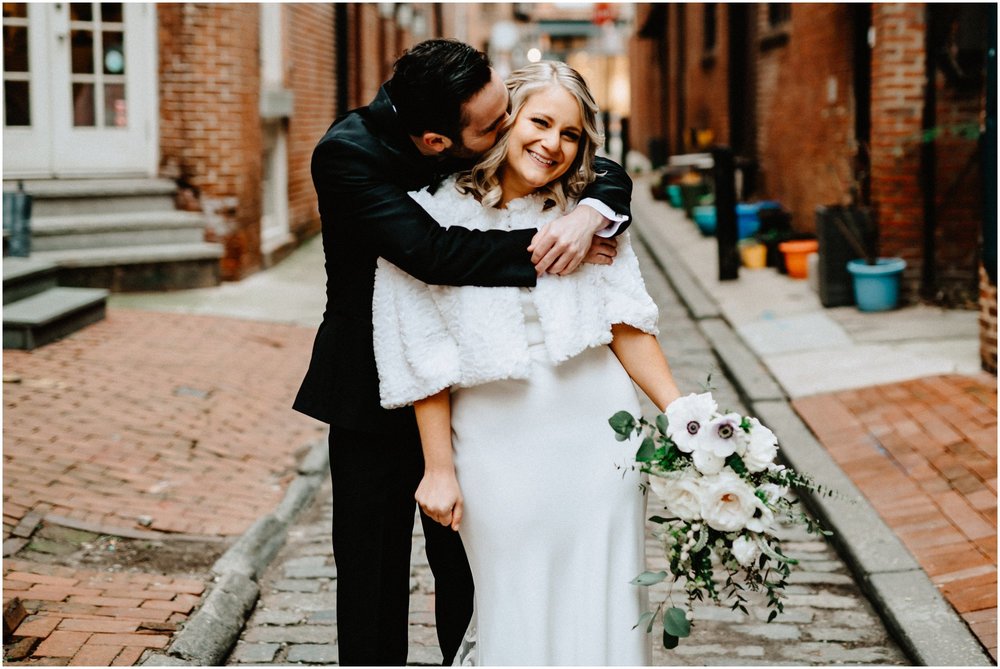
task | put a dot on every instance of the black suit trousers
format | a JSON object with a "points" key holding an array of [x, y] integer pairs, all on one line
{"points": [[374, 480]]}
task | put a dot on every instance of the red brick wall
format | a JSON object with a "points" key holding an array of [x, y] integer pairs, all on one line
{"points": [[210, 121], [310, 41], [805, 114], [647, 119], [959, 192], [987, 322], [898, 81], [707, 76], [677, 139]]}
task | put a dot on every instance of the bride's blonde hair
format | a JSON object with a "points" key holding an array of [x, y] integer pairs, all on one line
{"points": [[483, 180]]}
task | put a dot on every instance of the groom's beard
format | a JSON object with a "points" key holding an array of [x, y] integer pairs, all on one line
{"points": [[459, 151]]}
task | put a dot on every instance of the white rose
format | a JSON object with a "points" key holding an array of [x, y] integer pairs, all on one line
{"points": [[762, 447], [706, 462], [680, 494], [745, 550], [722, 436], [727, 503], [686, 416]]}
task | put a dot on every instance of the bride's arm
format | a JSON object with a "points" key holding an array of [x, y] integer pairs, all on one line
{"points": [[643, 360], [438, 493]]}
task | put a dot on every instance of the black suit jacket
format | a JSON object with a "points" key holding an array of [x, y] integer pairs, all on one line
{"points": [[362, 169]]}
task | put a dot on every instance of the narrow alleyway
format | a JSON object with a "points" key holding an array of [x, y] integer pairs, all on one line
{"points": [[827, 618]]}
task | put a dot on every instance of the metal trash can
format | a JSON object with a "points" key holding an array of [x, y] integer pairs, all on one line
{"points": [[17, 221]]}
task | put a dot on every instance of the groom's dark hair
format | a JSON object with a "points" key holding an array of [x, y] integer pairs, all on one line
{"points": [[432, 81]]}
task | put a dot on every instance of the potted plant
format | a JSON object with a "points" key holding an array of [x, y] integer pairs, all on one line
{"points": [[850, 267], [875, 279]]}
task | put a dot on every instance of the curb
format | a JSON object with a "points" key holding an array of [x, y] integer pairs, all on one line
{"points": [[926, 626], [209, 635]]}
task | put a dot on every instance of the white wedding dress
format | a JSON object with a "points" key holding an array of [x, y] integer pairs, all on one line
{"points": [[553, 510], [553, 513]]}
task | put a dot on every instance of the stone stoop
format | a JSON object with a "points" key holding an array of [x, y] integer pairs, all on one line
{"points": [[120, 234], [37, 311]]}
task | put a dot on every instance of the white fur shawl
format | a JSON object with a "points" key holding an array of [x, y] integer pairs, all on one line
{"points": [[432, 337]]}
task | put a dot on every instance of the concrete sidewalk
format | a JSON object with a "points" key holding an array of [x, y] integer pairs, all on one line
{"points": [[891, 407]]}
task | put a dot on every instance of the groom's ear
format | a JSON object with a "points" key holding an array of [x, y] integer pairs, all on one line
{"points": [[435, 142]]}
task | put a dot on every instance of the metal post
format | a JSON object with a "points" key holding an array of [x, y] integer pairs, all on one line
{"points": [[726, 233]]}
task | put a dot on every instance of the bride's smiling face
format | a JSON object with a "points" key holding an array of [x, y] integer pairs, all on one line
{"points": [[543, 141]]}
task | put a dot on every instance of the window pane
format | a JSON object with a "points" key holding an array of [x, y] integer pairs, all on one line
{"points": [[83, 52], [115, 110], [15, 49], [17, 108], [111, 12], [83, 105], [81, 11], [15, 10], [114, 52]]}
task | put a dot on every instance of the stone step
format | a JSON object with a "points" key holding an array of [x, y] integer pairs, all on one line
{"points": [[65, 197], [129, 255], [57, 233], [139, 268], [24, 277], [50, 315]]}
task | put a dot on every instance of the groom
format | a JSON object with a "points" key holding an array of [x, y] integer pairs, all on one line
{"points": [[443, 106]]}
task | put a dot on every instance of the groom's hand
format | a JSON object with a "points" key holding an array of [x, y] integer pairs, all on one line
{"points": [[560, 246]]}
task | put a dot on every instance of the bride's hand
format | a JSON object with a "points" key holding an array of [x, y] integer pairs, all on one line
{"points": [[440, 497]]}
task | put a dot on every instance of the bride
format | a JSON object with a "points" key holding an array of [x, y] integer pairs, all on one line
{"points": [[513, 388]]}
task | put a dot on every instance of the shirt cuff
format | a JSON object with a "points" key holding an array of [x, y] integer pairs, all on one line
{"points": [[614, 220]]}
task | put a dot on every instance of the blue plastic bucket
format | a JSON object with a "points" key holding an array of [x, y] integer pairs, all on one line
{"points": [[876, 287], [747, 222]]}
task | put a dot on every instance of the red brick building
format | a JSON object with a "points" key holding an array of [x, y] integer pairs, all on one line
{"points": [[210, 110], [884, 100]]}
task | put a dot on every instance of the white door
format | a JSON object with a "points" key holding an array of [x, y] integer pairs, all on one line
{"points": [[80, 89]]}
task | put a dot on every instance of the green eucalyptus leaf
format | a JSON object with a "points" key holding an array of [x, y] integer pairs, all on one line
{"points": [[647, 451], [649, 578], [622, 423], [662, 423], [675, 622], [646, 620], [669, 640], [659, 520]]}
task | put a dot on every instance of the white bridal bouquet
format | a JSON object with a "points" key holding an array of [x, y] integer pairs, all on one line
{"points": [[721, 496]]}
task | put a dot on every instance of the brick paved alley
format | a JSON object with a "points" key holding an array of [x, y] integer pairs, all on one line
{"points": [[170, 432]]}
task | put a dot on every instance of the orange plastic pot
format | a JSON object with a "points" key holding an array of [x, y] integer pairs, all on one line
{"points": [[796, 252]]}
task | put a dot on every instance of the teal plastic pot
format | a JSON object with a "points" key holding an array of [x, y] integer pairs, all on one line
{"points": [[674, 196], [876, 287], [704, 218]]}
